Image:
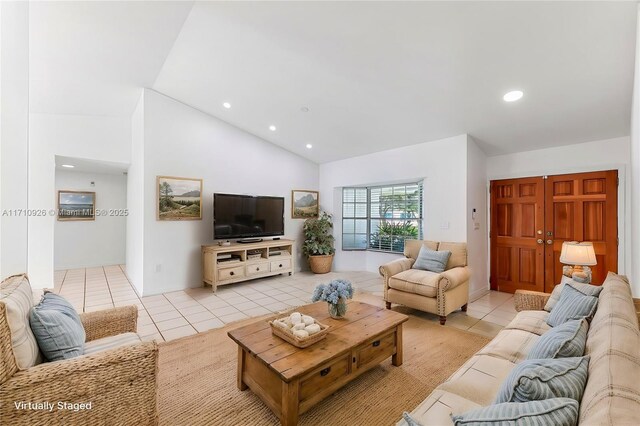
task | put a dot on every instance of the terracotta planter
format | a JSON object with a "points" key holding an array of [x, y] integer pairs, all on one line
{"points": [[321, 264]]}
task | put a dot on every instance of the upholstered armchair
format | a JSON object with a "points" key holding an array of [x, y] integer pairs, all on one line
{"points": [[117, 377], [437, 293]]}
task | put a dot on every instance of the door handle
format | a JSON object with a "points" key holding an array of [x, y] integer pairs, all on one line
{"points": [[549, 242], [325, 371], [540, 241]]}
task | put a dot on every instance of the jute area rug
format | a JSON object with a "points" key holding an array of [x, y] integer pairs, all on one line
{"points": [[197, 381]]}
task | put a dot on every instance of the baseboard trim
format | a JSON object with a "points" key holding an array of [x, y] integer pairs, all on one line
{"points": [[478, 294]]}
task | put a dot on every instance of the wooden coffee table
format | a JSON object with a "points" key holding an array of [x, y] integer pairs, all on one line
{"points": [[291, 380]]}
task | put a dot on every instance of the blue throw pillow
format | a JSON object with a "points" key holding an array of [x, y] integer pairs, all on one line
{"points": [[57, 327], [431, 260], [572, 305], [539, 379], [556, 412], [564, 341]]}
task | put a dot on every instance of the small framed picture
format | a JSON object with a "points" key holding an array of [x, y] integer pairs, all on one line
{"points": [[178, 198], [76, 205], [304, 204]]}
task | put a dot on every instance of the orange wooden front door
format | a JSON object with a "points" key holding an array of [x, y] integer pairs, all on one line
{"points": [[581, 207], [517, 223], [532, 217]]}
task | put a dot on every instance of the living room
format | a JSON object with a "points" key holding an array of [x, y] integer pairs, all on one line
{"points": [[178, 177]]}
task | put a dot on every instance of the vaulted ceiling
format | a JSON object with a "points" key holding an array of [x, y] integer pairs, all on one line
{"points": [[349, 78]]}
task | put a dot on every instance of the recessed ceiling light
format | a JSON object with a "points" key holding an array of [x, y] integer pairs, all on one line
{"points": [[512, 96], [227, 105], [272, 128], [309, 146], [304, 109], [69, 166]]}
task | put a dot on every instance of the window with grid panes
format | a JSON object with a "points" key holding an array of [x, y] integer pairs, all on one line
{"points": [[381, 218]]}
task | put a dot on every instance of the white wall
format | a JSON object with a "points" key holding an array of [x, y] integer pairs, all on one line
{"points": [[89, 137], [478, 227], [606, 154], [135, 200], [82, 244], [181, 141], [634, 270], [14, 107], [442, 164]]}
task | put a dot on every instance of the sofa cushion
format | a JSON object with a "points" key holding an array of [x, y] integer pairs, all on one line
{"points": [[111, 342], [57, 328], [572, 305], [16, 294], [416, 281], [612, 394], [432, 260], [512, 345], [458, 254], [479, 379], [437, 408], [556, 411], [412, 247], [588, 289], [532, 321], [564, 341], [539, 379]]}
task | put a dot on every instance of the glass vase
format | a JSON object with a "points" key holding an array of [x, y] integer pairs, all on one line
{"points": [[338, 310]]}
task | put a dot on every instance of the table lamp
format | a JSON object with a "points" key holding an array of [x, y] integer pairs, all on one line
{"points": [[578, 257]]}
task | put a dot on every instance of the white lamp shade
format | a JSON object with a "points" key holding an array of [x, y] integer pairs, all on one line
{"points": [[575, 253]]}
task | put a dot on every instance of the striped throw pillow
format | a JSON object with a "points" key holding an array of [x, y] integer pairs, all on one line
{"points": [[539, 379], [431, 260], [16, 294], [57, 328], [588, 289], [556, 411], [564, 341], [572, 305]]}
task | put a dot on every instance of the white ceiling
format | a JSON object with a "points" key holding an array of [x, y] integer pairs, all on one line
{"points": [[374, 75], [94, 58], [84, 165]]}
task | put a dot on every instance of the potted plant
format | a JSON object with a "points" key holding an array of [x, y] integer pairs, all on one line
{"points": [[318, 243]]}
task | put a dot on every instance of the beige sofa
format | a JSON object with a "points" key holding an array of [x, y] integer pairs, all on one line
{"points": [[437, 293], [612, 393]]}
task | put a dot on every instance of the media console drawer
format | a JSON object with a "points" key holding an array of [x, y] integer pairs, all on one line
{"points": [[258, 268], [230, 273], [277, 265]]}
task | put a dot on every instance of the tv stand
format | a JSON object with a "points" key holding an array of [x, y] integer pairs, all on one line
{"points": [[250, 240], [244, 261]]}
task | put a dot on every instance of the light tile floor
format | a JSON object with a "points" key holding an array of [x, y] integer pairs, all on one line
{"points": [[176, 314]]}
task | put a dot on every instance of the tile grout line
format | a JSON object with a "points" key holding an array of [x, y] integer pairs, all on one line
{"points": [[108, 286]]}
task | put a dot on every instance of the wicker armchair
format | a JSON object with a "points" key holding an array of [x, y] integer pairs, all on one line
{"points": [[119, 383]]}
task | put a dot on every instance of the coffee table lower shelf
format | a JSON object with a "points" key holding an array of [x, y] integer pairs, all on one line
{"points": [[289, 399]]}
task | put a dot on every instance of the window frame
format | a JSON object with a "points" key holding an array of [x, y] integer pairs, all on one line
{"points": [[419, 219]]}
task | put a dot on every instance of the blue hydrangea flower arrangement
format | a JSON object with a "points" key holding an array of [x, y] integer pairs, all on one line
{"points": [[335, 294]]}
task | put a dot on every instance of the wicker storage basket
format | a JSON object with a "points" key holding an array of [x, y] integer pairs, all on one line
{"points": [[287, 335], [321, 264]]}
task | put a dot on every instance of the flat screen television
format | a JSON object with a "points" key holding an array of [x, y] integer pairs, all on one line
{"points": [[246, 216]]}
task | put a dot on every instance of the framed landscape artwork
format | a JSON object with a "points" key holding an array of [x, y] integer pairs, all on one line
{"points": [[76, 205], [304, 204], [179, 198]]}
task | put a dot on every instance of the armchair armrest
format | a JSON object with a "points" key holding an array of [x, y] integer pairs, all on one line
{"points": [[453, 277], [392, 268], [395, 267], [120, 385], [527, 300], [109, 322]]}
